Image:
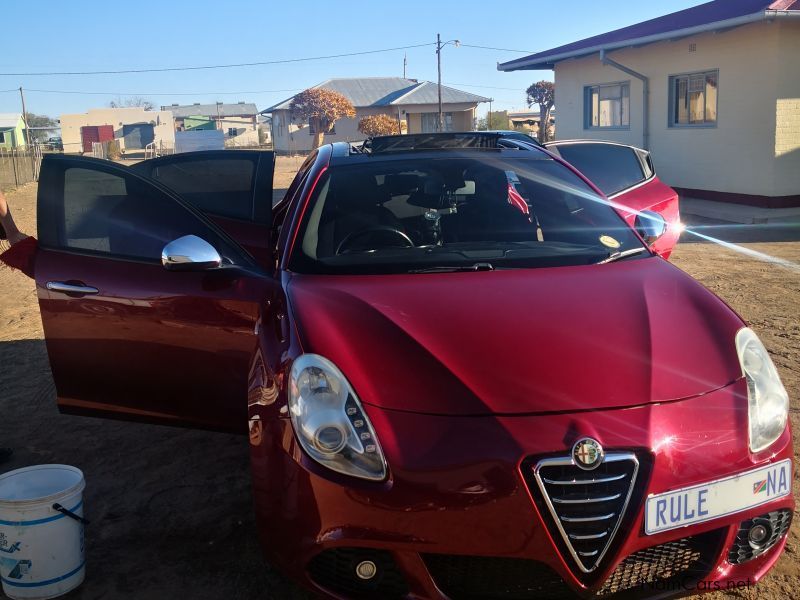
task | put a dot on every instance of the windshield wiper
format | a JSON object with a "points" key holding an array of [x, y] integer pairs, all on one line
{"points": [[481, 266], [619, 255]]}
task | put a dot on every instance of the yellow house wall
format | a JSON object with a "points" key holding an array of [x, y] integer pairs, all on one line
{"points": [[163, 129], [759, 85]]}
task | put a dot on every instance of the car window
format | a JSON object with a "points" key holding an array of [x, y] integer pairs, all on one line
{"points": [[611, 167], [216, 186], [106, 213], [281, 208], [404, 215]]}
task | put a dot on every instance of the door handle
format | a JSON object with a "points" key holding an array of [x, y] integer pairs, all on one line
{"points": [[71, 288]]}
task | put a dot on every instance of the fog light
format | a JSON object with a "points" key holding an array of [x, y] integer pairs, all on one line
{"points": [[758, 535], [366, 569]]}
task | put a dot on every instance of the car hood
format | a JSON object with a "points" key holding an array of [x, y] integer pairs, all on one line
{"points": [[520, 341]]}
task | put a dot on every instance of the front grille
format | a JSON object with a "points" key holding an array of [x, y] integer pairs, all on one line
{"points": [[335, 570], [666, 566], [777, 521], [586, 507], [494, 578]]}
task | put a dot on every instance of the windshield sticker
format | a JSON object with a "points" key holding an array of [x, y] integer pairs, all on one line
{"points": [[609, 242]]}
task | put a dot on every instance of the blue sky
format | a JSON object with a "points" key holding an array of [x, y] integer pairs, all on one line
{"points": [[84, 35]]}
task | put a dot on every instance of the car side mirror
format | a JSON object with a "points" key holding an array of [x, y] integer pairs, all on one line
{"points": [[650, 225], [190, 253]]}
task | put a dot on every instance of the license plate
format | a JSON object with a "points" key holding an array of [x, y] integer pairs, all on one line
{"points": [[715, 499]]}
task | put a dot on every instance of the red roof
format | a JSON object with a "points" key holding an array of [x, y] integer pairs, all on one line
{"points": [[724, 12]]}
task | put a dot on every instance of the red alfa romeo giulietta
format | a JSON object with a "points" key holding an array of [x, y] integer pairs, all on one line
{"points": [[464, 373]]}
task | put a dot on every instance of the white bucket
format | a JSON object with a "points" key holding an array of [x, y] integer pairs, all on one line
{"points": [[41, 549]]}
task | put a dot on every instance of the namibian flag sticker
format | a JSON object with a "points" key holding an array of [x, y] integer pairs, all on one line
{"points": [[760, 486]]}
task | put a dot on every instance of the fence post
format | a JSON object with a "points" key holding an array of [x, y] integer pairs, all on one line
{"points": [[14, 166]]}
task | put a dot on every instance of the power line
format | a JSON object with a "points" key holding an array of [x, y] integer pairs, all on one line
{"points": [[215, 93], [250, 64], [160, 93], [499, 49], [486, 87], [226, 66]]}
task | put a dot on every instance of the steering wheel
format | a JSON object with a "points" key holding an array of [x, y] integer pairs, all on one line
{"points": [[351, 237]]}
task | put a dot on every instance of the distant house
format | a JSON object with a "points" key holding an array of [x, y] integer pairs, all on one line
{"points": [[713, 91], [134, 127], [529, 120], [12, 131], [238, 121], [413, 103]]}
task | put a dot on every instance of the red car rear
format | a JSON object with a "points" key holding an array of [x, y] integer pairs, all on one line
{"points": [[464, 374]]}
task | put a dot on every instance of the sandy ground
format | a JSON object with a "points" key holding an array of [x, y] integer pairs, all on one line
{"points": [[171, 508]]}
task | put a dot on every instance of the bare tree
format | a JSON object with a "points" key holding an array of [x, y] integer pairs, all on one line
{"points": [[321, 108], [542, 93], [38, 123], [133, 101]]}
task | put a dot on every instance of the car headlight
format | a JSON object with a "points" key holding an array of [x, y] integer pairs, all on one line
{"points": [[329, 421], [768, 402]]}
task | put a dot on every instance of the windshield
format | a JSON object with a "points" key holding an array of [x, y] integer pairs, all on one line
{"points": [[437, 214]]}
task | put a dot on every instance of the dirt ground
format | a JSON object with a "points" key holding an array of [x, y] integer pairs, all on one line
{"points": [[171, 508]]}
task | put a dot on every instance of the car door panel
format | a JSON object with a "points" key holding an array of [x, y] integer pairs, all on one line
{"points": [[253, 237], [660, 198], [150, 344], [232, 188]]}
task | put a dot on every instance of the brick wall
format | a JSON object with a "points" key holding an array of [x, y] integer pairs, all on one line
{"points": [[787, 125]]}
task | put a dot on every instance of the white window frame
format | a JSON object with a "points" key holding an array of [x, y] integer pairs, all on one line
{"points": [[588, 106], [672, 117]]}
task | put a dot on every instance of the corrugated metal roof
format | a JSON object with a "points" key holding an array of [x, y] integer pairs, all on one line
{"points": [[9, 119], [387, 91], [709, 13], [243, 109], [427, 93]]}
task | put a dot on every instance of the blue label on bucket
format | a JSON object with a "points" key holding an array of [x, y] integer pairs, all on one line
{"points": [[5, 547], [42, 583]]}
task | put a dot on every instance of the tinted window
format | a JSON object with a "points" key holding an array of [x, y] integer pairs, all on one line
{"points": [[219, 186], [610, 167], [104, 212], [407, 215]]}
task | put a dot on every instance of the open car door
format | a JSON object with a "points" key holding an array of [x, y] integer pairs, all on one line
{"points": [[233, 188], [136, 328], [625, 174]]}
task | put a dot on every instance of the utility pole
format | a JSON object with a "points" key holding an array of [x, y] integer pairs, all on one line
{"points": [[439, 46], [405, 64], [440, 120], [27, 133]]}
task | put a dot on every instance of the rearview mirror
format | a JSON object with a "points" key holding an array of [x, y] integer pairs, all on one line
{"points": [[650, 225], [190, 253]]}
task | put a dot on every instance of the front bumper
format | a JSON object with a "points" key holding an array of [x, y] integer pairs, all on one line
{"points": [[459, 506]]}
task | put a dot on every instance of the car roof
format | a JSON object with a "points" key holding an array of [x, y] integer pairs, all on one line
{"points": [[343, 154], [435, 145]]}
